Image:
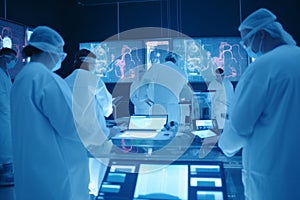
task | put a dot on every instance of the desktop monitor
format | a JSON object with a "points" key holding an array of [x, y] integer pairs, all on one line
{"points": [[201, 56], [117, 61], [12, 35], [156, 50]]}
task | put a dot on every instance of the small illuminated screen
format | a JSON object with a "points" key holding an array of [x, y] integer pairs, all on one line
{"points": [[206, 182], [155, 122], [122, 168], [171, 181], [110, 188], [210, 195], [203, 124], [196, 169]]}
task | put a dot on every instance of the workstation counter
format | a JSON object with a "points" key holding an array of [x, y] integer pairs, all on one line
{"points": [[182, 148]]}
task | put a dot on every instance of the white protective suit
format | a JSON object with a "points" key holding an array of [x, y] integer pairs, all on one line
{"points": [[49, 159], [5, 130], [265, 124], [91, 94], [221, 97], [139, 97], [166, 82], [103, 97]]}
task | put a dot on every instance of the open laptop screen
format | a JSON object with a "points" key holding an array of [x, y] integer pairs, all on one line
{"points": [[155, 122]]}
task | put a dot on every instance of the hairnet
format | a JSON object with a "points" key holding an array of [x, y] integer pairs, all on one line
{"points": [[46, 39], [83, 55], [263, 19], [219, 71]]}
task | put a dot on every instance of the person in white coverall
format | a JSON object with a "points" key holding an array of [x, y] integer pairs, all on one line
{"points": [[50, 161], [165, 82], [84, 67], [221, 90], [265, 115], [7, 61], [139, 95]]}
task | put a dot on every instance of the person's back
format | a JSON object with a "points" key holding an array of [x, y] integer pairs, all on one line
{"points": [[91, 103], [265, 111], [83, 78], [166, 82], [50, 160], [221, 92], [139, 95], [85, 63], [270, 154]]}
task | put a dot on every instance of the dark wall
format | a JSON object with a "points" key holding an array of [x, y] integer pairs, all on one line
{"points": [[287, 13], [97, 22]]}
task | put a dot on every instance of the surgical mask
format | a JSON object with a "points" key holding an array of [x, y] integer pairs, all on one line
{"points": [[251, 53], [57, 66], [259, 53], [61, 57], [11, 64]]}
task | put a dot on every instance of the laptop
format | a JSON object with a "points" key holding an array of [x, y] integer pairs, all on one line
{"points": [[144, 126], [203, 128]]}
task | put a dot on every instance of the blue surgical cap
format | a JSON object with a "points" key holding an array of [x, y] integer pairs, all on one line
{"points": [[46, 39], [263, 19]]}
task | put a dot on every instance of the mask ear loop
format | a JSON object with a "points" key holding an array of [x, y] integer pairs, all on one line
{"points": [[52, 59], [261, 41], [59, 61]]}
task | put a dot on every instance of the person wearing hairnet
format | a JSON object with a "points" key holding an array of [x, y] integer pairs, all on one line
{"points": [[221, 90], [50, 161], [264, 119], [7, 61], [84, 68], [84, 62], [165, 82]]}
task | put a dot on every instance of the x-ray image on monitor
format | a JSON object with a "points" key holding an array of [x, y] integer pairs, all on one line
{"points": [[157, 50], [117, 60], [201, 56], [12, 35]]}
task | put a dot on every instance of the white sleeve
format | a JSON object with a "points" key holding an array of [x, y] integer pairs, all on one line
{"points": [[230, 142], [104, 98], [249, 101]]}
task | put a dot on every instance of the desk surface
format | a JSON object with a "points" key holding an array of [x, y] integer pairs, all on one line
{"points": [[184, 148], [232, 166]]}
